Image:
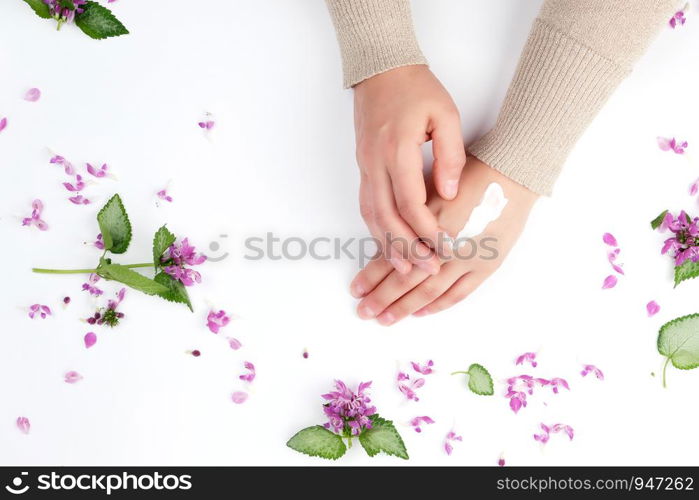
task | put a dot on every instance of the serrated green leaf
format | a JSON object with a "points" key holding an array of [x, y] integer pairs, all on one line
{"points": [[317, 441], [382, 437], [161, 241], [678, 341], [176, 292], [479, 380], [655, 223], [39, 8], [114, 225], [686, 271], [98, 22], [132, 279]]}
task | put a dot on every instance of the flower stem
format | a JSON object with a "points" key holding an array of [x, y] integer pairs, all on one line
{"points": [[84, 271], [664, 371], [349, 441], [454, 373]]}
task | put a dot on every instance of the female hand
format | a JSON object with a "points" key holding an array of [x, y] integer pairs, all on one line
{"points": [[390, 296], [395, 113]]}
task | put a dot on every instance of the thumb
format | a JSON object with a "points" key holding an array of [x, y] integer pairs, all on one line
{"points": [[449, 156]]}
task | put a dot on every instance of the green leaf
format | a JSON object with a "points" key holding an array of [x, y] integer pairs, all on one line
{"points": [[384, 437], [40, 8], [678, 341], [98, 22], [317, 441], [161, 241], [114, 225], [479, 380], [132, 279], [67, 4], [686, 271], [655, 223], [176, 291]]}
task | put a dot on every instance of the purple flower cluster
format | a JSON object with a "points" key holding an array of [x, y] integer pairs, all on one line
{"points": [[348, 413], [110, 316], [179, 255], [64, 14], [684, 245]]}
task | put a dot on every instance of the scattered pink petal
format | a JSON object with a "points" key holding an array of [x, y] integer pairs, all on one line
{"points": [[79, 200], [248, 377], [196, 353], [694, 188], [653, 308], [35, 218], [501, 462], [66, 300], [671, 144], [527, 357], [39, 311], [558, 382], [72, 377], [609, 282], [592, 369], [3, 124], [23, 425], [32, 95], [67, 166], [239, 397], [78, 186], [162, 194], [611, 257], [97, 172], [408, 386], [207, 125], [425, 369], [545, 435], [217, 320], [234, 343], [90, 339], [609, 239], [418, 421], [678, 18], [305, 354], [451, 436]]}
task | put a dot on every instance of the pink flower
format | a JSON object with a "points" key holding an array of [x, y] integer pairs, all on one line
{"points": [[248, 377], [528, 357], [425, 369], [179, 255], [518, 400], [592, 369], [23, 425], [611, 257], [162, 194], [501, 462], [35, 218], [239, 397], [32, 95], [78, 186], [72, 377], [217, 320], [79, 200], [234, 343], [39, 310], [207, 125], [609, 239], [97, 172], [678, 18], [418, 421], [90, 339], [99, 242], [3, 124], [694, 188], [558, 382], [666, 144], [408, 386], [346, 409], [609, 282], [653, 308], [67, 166], [90, 285], [544, 437], [451, 436]]}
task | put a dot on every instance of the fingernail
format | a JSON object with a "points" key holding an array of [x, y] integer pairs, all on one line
{"points": [[357, 290], [421, 312], [386, 319], [365, 312], [400, 265], [451, 188]]}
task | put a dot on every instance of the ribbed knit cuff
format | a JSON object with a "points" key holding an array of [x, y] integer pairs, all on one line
{"points": [[374, 36], [558, 88]]}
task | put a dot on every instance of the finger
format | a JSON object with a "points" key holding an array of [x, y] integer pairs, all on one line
{"points": [[388, 291], [410, 194], [461, 289], [423, 294], [368, 278], [449, 154], [369, 216], [396, 232]]}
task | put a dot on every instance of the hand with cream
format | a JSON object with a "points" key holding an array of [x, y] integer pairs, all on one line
{"points": [[484, 221]]}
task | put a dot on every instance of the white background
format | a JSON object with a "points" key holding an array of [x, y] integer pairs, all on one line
{"points": [[281, 158]]}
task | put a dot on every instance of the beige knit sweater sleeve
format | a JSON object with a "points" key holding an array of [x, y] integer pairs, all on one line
{"points": [[577, 53]]}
